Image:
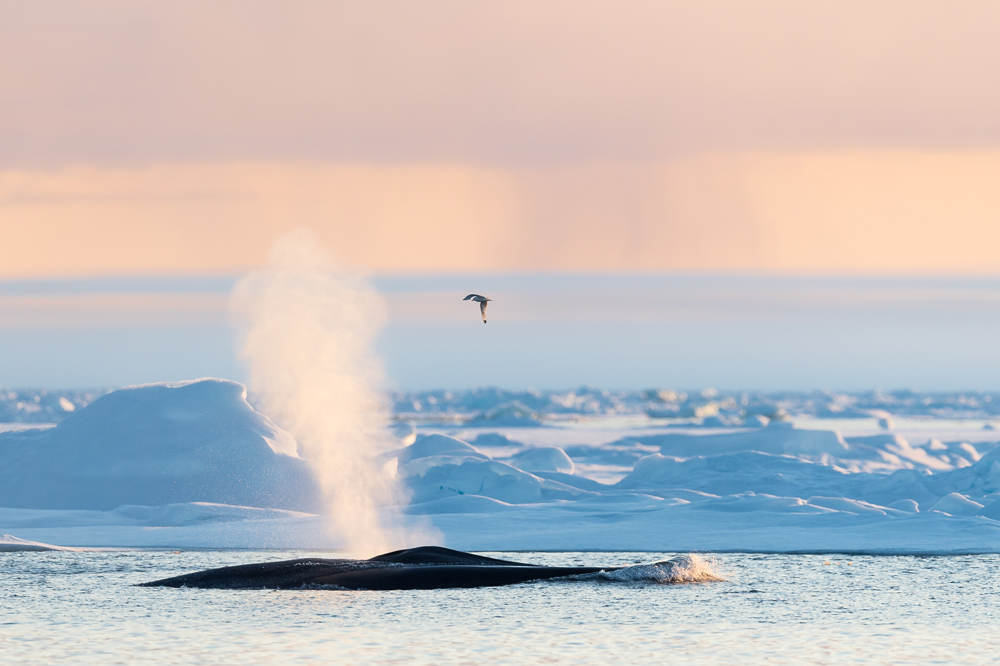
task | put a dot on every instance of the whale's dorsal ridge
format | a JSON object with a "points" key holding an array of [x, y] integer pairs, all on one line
{"points": [[440, 555]]}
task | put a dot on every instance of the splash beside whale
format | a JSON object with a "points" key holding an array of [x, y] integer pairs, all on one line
{"points": [[423, 568]]}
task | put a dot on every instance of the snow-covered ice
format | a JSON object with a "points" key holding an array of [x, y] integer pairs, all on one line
{"points": [[194, 464], [153, 445], [9, 544]]}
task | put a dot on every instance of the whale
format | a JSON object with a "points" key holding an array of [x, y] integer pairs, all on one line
{"points": [[421, 568]]}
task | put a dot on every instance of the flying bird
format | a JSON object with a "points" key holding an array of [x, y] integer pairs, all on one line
{"points": [[482, 300]]}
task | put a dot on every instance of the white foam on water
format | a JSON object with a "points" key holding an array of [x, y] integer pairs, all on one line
{"points": [[690, 568]]}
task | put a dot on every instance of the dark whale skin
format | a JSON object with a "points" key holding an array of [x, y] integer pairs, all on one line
{"points": [[423, 568]]}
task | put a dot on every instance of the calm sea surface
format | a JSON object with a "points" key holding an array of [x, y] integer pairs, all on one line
{"points": [[71, 607]]}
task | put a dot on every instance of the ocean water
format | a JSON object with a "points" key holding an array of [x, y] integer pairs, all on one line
{"points": [[82, 607]]}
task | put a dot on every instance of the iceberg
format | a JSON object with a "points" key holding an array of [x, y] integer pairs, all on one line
{"points": [[197, 441]]}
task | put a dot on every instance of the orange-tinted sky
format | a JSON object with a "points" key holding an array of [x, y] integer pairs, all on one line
{"points": [[738, 135]]}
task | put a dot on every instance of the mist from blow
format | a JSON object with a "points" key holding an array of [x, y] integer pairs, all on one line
{"points": [[308, 332]]}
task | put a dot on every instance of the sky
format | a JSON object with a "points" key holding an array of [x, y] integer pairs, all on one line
{"points": [[754, 139], [513, 84]]}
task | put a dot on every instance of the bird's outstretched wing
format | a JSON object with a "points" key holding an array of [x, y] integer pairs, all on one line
{"points": [[482, 309], [475, 296]]}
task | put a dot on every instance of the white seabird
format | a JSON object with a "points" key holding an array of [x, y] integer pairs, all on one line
{"points": [[482, 300]]}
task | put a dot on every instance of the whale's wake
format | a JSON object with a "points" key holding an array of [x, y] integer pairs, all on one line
{"points": [[690, 568]]}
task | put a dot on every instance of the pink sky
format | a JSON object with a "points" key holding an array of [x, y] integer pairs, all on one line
{"points": [[769, 136]]}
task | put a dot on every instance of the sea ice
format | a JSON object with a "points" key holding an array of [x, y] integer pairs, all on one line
{"points": [[193, 464], [543, 459], [957, 505], [9, 544]]}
